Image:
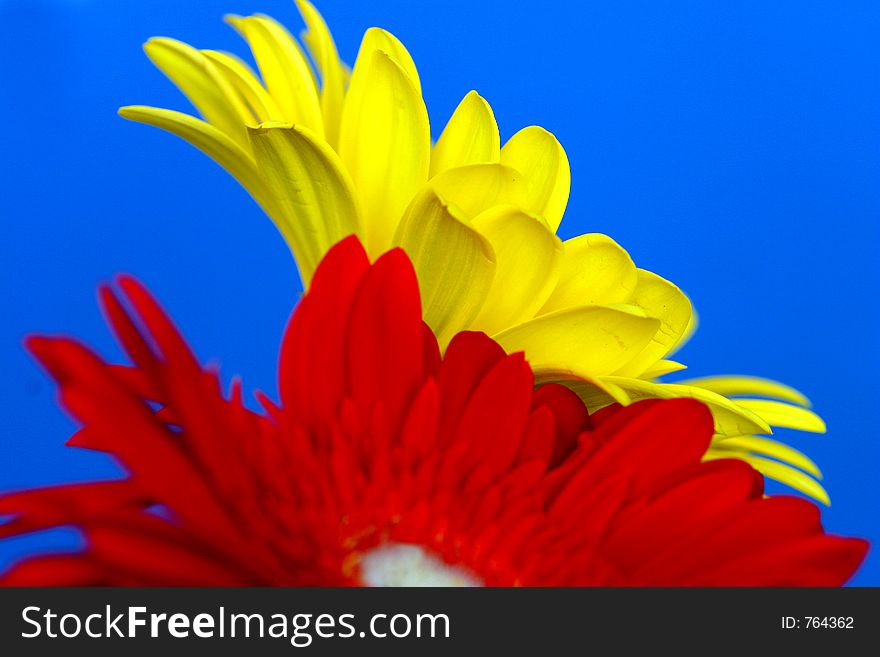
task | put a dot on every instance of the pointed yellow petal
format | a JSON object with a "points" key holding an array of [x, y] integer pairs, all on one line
{"points": [[595, 271], [537, 154], [661, 299], [261, 104], [751, 386], [785, 474], [212, 142], [284, 67], [385, 143], [320, 43], [377, 39], [209, 92], [661, 368], [316, 206], [470, 137], [778, 414], [527, 259], [591, 341], [730, 418], [771, 448], [453, 262]]}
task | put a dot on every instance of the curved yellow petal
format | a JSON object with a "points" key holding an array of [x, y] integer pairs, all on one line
{"points": [[778, 414], [320, 43], [751, 386], [453, 262], [210, 140], [782, 473], [470, 137], [385, 143], [527, 259], [690, 329], [731, 419], [316, 206], [284, 67], [205, 87], [771, 448], [377, 39], [591, 341], [595, 270], [538, 155], [586, 387], [476, 188], [241, 77], [661, 299]]}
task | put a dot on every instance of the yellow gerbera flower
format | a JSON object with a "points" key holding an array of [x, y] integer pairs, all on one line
{"points": [[344, 153]]}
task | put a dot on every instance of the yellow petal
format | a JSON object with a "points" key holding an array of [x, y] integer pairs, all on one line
{"points": [[596, 392], [771, 448], [661, 368], [537, 154], [591, 341], [527, 259], [453, 262], [785, 474], [320, 43], [595, 271], [690, 329], [241, 77], [377, 39], [212, 142], [778, 414], [661, 299], [751, 386], [285, 70], [470, 137], [316, 206], [385, 143], [209, 92], [731, 419], [475, 188]]}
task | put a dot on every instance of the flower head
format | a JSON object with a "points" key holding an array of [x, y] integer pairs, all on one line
{"points": [[339, 153], [385, 463]]}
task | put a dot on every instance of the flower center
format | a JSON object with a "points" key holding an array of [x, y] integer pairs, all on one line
{"points": [[401, 564]]}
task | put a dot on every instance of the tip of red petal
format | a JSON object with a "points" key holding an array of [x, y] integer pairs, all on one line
{"points": [[42, 348], [347, 254], [36, 343], [132, 287], [474, 345], [398, 263]]}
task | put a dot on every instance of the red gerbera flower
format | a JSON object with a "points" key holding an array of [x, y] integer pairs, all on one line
{"points": [[387, 464]]}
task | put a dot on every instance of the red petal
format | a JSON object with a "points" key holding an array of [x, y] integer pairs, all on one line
{"points": [[384, 351], [651, 439], [570, 414], [469, 356], [123, 425], [494, 419], [70, 504], [311, 369], [681, 514], [55, 570], [820, 560], [154, 553]]}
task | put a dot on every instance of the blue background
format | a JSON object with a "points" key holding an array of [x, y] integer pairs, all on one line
{"points": [[730, 146]]}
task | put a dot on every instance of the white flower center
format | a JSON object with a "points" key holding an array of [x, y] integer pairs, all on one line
{"points": [[401, 564]]}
